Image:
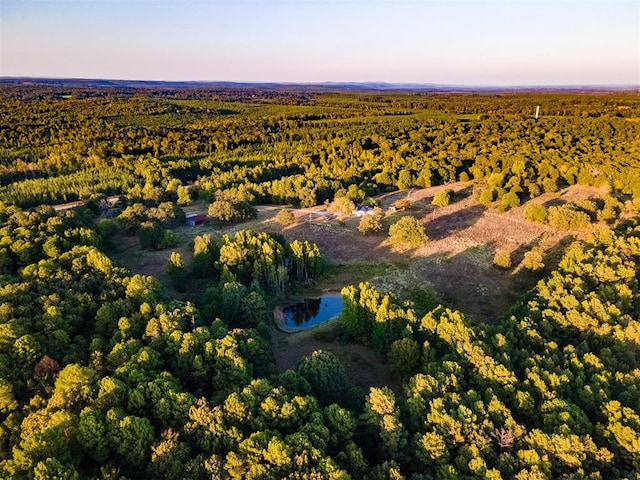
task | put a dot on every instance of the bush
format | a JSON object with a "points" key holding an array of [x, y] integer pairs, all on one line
{"points": [[533, 260], [567, 217], [535, 212], [285, 217], [442, 198], [326, 375], [486, 196], [502, 259], [226, 211], [176, 272], [407, 232], [151, 235], [341, 205], [403, 204], [371, 223], [404, 357], [509, 200]]}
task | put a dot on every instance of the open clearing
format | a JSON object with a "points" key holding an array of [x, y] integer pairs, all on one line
{"points": [[364, 367], [456, 263]]}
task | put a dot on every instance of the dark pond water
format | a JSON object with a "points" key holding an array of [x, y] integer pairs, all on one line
{"points": [[311, 311]]}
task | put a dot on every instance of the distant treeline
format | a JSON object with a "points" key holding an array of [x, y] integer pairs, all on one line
{"points": [[324, 142]]}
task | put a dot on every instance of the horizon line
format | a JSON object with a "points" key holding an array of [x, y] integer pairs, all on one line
{"points": [[336, 83]]}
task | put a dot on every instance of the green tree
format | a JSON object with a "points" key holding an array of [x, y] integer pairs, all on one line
{"points": [[381, 411], [74, 386], [502, 259], [371, 223], [285, 217], [442, 198], [536, 212], [408, 232], [177, 272], [7, 400], [326, 375], [509, 200], [226, 211], [404, 356], [342, 205]]}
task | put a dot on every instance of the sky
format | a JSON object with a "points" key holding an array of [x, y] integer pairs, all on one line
{"points": [[473, 42]]}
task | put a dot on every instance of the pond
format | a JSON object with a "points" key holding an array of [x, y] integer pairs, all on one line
{"points": [[308, 312]]}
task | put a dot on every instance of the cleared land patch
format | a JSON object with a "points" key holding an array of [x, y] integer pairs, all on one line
{"points": [[456, 262]]}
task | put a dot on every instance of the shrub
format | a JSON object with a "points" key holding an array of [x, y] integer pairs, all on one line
{"points": [[285, 217], [509, 200], [442, 198], [610, 210], [533, 260], [502, 259], [227, 211], [535, 212], [407, 232], [176, 272], [404, 356], [403, 204], [567, 217], [486, 196], [371, 223], [341, 205]]}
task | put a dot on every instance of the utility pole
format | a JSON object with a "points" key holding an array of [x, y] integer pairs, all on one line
{"points": [[537, 111]]}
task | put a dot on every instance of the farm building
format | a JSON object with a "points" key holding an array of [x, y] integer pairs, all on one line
{"points": [[194, 219], [362, 210]]}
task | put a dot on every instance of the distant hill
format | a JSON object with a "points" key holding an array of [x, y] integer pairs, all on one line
{"points": [[304, 87]]}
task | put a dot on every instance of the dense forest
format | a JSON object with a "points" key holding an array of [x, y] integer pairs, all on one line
{"points": [[105, 375]]}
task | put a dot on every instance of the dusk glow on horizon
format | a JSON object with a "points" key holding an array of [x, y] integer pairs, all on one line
{"points": [[447, 42]]}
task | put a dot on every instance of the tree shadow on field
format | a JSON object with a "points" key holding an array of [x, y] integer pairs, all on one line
{"points": [[518, 254], [554, 202], [439, 227], [462, 194], [456, 197], [469, 282]]}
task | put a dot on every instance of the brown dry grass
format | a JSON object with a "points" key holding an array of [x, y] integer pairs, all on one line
{"points": [[364, 367]]}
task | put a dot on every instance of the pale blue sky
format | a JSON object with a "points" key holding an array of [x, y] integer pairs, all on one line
{"points": [[456, 42]]}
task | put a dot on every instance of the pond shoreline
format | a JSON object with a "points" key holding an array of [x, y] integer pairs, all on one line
{"points": [[297, 316]]}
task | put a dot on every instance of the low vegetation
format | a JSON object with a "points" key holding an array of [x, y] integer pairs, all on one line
{"points": [[408, 232]]}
